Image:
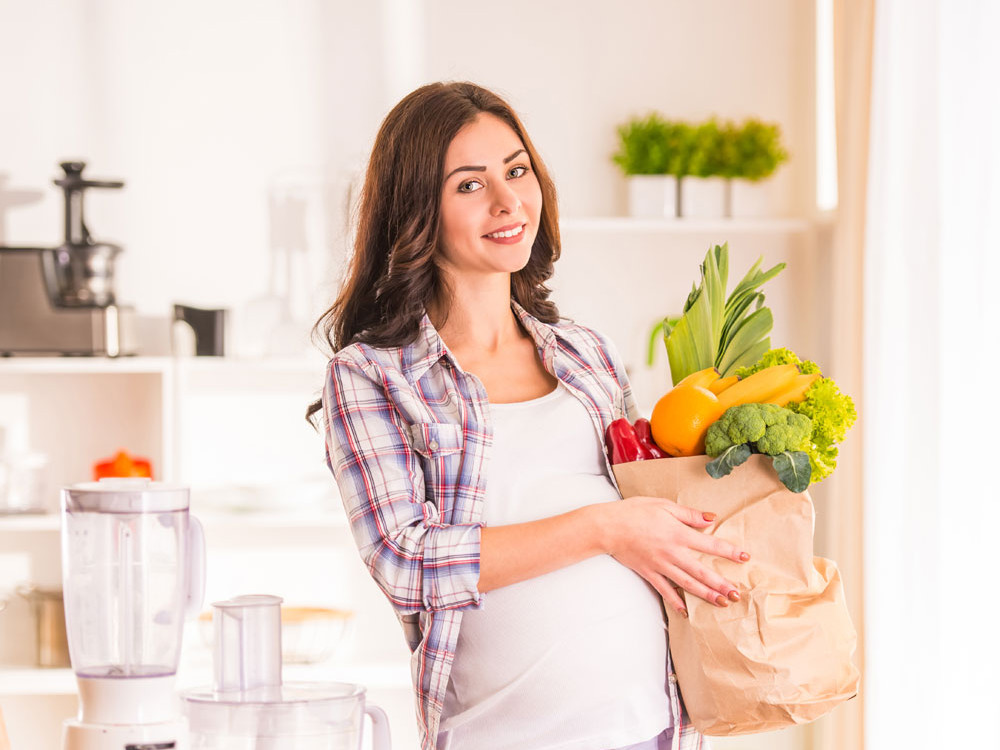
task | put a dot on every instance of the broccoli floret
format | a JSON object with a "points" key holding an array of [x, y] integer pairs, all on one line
{"points": [[768, 428], [736, 426], [791, 434]]}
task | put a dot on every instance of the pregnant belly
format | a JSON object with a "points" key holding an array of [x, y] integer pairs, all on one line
{"points": [[589, 633]]}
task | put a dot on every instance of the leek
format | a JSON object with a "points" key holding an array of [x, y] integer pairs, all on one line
{"points": [[714, 330]]}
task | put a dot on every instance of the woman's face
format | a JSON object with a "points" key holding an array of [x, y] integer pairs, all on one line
{"points": [[490, 191]]}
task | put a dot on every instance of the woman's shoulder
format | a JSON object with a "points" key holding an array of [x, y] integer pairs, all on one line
{"points": [[360, 355], [583, 337]]}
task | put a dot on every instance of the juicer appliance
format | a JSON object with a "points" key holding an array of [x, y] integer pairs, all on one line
{"points": [[250, 707], [133, 571], [61, 300]]}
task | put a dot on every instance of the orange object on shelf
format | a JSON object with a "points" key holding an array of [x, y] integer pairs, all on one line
{"points": [[123, 465]]}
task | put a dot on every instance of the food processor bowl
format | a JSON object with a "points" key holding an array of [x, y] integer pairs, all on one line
{"points": [[249, 707], [298, 716]]}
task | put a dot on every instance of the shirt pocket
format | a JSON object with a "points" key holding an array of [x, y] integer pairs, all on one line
{"points": [[435, 440], [441, 448]]}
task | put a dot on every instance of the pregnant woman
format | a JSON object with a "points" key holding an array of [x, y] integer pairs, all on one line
{"points": [[464, 422]]}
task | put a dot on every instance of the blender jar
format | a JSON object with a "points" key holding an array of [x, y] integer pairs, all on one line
{"points": [[133, 567]]}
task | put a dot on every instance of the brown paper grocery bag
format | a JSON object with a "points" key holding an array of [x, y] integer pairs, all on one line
{"points": [[782, 654]]}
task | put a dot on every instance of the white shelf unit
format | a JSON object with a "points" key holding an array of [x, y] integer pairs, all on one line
{"points": [[682, 226], [237, 522], [57, 682]]}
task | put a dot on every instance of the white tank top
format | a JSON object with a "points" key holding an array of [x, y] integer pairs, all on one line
{"points": [[574, 659]]}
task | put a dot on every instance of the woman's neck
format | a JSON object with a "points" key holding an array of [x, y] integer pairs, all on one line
{"points": [[477, 319]]}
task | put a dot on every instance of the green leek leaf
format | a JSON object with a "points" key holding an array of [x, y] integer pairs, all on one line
{"points": [[715, 330], [749, 332]]}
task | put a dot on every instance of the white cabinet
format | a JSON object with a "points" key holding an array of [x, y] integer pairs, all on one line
{"points": [[234, 432]]}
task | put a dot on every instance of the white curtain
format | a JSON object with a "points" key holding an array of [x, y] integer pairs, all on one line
{"points": [[932, 414]]}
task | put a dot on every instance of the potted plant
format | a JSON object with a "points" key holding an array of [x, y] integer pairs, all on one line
{"points": [[653, 154], [752, 151], [703, 189]]}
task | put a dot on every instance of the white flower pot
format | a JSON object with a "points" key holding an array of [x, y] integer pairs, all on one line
{"points": [[750, 199], [652, 196], [703, 197]]}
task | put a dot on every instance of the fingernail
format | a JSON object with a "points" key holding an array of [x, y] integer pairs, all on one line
{"points": [[721, 601], [708, 516], [744, 556], [734, 595]]}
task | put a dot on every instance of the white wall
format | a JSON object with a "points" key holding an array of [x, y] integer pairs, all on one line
{"points": [[574, 70], [217, 114]]}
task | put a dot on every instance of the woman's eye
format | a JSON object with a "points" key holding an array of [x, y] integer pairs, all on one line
{"points": [[518, 171], [469, 187]]}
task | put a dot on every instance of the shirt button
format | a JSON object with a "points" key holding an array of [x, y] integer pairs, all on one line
{"points": [[672, 678], [433, 445]]}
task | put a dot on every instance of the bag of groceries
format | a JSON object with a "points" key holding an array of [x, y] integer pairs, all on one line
{"points": [[782, 654], [742, 434]]}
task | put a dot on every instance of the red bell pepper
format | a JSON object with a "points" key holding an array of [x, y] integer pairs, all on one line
{"points": [[645, 433], [623, 443]]}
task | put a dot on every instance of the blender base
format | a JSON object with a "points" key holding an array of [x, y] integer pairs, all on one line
{"points": [[171, 735]]}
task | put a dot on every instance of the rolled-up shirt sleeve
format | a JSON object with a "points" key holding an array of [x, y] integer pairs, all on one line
{"points": [[420, 562]]}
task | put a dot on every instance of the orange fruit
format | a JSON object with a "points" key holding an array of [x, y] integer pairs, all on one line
{"points": [[681, 418]]}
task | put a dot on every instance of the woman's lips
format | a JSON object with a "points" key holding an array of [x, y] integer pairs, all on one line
{"points": [[508, 240]]}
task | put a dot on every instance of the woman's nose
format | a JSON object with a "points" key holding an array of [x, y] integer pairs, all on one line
{"points": [[505, 200]]}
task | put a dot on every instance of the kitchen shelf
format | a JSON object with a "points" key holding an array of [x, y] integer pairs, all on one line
{"points": [[22, 681], [32, 522], [155, 365], [628, 225], [28, 681], [211, 520], [84, 365]]}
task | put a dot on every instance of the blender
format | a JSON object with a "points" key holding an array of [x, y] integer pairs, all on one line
{"points": [[249, 707], [133, 570]]}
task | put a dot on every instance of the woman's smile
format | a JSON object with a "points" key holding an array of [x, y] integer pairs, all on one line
{"points": [[508, 235]]}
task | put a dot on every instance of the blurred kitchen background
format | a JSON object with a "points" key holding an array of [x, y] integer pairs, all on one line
{"points": [[241, 130]]}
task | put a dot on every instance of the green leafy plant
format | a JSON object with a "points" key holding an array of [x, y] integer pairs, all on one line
{"points": [[752, 150], [707, 149], [653, 145]]}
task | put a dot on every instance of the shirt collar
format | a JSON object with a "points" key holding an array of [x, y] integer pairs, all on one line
{"points": [[429, 348]]}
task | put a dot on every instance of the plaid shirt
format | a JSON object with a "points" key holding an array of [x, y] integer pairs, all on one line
{"points": [[408, 437]]}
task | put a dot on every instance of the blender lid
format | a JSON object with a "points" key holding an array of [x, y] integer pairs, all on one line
{"points": [[125, 495]]}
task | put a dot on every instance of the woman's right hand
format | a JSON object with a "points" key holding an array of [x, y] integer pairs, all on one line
{"points": [[660, 540]]}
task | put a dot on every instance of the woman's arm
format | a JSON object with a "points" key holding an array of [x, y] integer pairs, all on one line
{"points": [[656, 538], [419, 562]]}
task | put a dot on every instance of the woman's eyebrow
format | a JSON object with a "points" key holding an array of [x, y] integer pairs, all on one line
{"points": [[507, 160]]}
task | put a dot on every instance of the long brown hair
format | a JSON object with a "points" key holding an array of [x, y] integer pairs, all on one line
{"points": [[393, 274]]}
